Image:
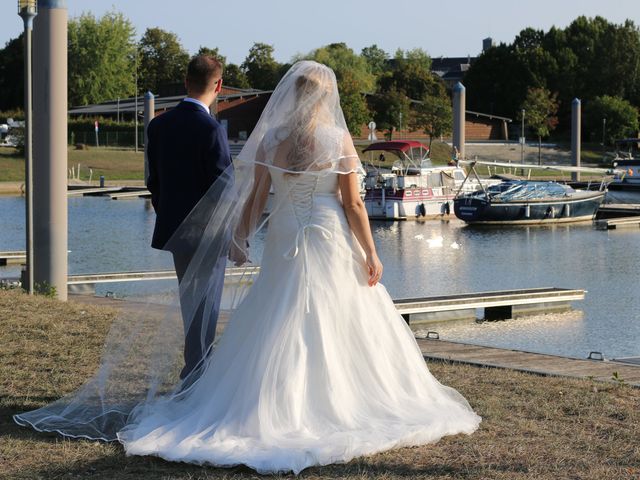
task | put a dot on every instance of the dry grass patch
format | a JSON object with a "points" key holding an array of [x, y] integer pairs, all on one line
{"points": [[533, 428], [113, 163]]}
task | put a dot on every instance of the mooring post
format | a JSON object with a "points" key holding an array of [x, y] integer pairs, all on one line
{"points": [[149, 113], [50, 146], [576, 125], [459, 107]]}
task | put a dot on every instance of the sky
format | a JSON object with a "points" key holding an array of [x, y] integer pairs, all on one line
{"points": [[298, 26]]}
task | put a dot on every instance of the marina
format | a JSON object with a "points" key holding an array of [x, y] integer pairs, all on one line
{"points": [[423, 259]]}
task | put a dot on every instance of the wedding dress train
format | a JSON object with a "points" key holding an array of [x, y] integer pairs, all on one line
{"points": [[315, 367]]}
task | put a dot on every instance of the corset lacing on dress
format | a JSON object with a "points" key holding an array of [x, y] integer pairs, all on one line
{"points": [[301, 192]]}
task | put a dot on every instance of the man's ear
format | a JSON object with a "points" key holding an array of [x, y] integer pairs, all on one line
{"points": [[219, 85]]}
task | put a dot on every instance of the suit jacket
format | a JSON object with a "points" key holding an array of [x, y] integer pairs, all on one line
{"points": [[187, 151]]}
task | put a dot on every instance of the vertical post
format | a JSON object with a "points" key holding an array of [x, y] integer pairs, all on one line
{"points": [[135, 112], [149, 113], [459, 107], [50, 145], [576, 125], [522, 138], [28, 11]]}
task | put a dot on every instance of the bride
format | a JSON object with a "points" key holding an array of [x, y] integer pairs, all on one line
{"points": [[315, 365]]}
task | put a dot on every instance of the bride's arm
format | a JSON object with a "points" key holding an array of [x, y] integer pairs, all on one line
{"points": [[251, 213], [359, 222]]}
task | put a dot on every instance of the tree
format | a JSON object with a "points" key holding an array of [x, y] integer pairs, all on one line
{"points": [[433, 115], [354, 80], [621, 118], [497, 82], [12, 75], [376, 58], [388, 108], [541, 107], [261, 69], [235, 77], [162, 59], [212, 52], [101, 52]]}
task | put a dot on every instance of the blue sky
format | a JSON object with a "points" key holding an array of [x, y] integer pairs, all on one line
{"points": [[298, 26]]}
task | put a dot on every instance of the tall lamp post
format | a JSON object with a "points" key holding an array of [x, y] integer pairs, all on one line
{"points": [[28, 9], [522, 139]]}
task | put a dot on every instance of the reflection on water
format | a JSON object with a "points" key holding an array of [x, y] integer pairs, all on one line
{"points": [[421, 259]]}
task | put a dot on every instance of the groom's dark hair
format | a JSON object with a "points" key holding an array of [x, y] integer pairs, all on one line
{"points": [[202, 71]]}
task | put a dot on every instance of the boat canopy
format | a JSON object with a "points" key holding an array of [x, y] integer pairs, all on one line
{"points": [[512, 191], [410, 152], [396, 145]]}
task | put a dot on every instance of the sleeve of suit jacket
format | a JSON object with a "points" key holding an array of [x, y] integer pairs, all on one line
{"points": [[152, 179], [218, 156]]}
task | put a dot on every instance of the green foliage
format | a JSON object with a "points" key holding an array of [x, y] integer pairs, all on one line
{"points": [[354, 79], [12, 74], [376, 58], [162, 60], [589, 58], [540, 107], [45, 289], [497, 82], [387, 107], [101, 53], [411, 75], [235, 77], [261, 69], [212, 52], [622, 118], [434, 116]]}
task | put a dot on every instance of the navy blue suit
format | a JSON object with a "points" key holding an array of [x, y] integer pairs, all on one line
{"points": [[187, 151]]}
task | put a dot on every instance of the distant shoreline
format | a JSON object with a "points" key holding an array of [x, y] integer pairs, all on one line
{"points": [[15, 189]]}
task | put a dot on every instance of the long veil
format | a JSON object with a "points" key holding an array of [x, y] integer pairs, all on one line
{"points": [[301, 131]]}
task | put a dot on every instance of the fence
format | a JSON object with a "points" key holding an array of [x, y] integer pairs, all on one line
{"points": [[125, 138]]}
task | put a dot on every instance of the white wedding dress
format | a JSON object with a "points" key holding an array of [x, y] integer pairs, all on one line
{"points": [[315, 367]]}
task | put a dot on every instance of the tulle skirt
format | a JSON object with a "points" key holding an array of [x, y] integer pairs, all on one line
{"points": [[315, 367]]}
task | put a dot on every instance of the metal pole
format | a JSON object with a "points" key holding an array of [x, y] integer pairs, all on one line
{"points": [[118, 110], [149, 113], [50, 146], [28, 15], [135, 113], [521, 140], [459, 107], [576, 125]]}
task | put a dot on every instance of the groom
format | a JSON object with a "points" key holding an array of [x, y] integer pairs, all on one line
{"points": [[187, 151]]}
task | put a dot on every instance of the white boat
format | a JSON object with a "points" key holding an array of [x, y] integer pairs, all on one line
{"points": [[414, 187]]}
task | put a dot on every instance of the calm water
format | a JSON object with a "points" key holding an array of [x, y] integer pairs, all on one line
{"points": [[420, 259]]}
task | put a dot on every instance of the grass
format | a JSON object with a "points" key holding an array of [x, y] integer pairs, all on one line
{"points": [[113, 163], [533, 428]]}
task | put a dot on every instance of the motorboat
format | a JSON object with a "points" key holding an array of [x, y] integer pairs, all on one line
{"points": [[413, 187]]}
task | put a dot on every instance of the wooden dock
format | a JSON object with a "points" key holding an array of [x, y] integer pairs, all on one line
{"points": [[497, 305], [615, 223], [12, 258], [541, 364], [617, 210]]}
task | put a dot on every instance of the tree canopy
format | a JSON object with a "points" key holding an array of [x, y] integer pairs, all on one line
{"points": [[102, 52], [591, 57], [260, 68], [614, 117], [162, 60], [12, 75]]}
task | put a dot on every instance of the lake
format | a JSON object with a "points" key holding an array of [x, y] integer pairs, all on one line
{"points": [[421, 259]]}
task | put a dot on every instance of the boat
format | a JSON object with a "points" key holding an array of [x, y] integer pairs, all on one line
{"points": [[413, 187], [528, 202]]}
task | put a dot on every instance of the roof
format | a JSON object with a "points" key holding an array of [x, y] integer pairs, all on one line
{"points": [[396, 145], [128, 105], [489, 116]]}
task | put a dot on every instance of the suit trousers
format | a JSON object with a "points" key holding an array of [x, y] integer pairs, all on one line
{"points": [[201, 329]]}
